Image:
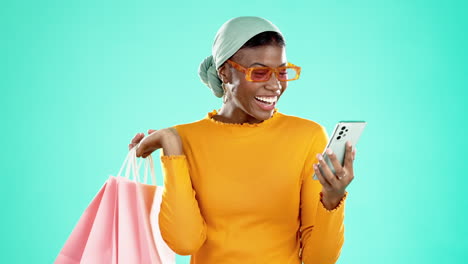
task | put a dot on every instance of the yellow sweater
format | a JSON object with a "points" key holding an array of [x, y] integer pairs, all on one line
{"points": [[244, 193]]}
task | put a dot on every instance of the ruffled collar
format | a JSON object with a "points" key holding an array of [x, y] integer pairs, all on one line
{"points": [[210, 115]]}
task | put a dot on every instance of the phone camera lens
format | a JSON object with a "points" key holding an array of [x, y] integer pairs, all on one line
{"points": [[343, 128], [341, 132], [346, 130], [339, 137]]}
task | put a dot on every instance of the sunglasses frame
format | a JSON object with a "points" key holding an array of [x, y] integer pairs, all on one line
{"points": [[248, 71]]}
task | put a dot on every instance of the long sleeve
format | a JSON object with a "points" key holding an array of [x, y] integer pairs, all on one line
{"points": [[322, 230], [244, 193], [180, 221]]}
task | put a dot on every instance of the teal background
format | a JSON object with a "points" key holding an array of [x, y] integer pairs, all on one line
{"points": [[80, 78]]}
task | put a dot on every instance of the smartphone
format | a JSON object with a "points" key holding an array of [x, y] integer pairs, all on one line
{"points": [[344, 131]]}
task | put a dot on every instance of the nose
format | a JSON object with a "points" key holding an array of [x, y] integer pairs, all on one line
{"points": [[273, 83]]}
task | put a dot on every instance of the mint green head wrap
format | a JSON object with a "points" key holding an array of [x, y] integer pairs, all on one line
{"points": [[229, 39]]}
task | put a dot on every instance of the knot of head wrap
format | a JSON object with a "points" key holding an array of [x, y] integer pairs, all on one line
{"points": [[209, 76], [229, 39]]}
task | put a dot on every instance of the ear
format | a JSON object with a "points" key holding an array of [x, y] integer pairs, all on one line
{"points": [[224, 73]]}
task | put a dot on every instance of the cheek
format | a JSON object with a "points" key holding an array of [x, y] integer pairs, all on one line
{"points": [[246, 91], [237, 78], [284, 85]]}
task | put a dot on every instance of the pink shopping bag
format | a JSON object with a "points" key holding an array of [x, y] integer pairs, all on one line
{"points": [[116, 228], [97, 221]]}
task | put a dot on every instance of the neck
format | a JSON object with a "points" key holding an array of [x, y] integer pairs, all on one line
{"points": [[232, 114]]}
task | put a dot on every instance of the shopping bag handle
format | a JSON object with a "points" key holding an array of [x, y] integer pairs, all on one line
{"points": [[149, 164], [132, 165]]}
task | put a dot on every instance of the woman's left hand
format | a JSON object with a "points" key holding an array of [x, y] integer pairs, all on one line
{"points": [[334, 184]]}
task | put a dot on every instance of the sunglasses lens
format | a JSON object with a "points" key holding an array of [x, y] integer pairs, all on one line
{"points": [[264, 74], [260, 74], [287, 74]]}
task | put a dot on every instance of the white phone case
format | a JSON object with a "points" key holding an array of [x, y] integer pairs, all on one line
{"points": [[344, 131]]}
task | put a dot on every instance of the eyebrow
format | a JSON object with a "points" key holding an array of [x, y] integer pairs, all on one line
{"points": [[263, 65]]}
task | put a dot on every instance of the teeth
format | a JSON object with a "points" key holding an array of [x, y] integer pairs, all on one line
{"points": [[267, 99]]}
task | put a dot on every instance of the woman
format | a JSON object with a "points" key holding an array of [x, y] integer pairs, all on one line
{"points": [[238, 183]]}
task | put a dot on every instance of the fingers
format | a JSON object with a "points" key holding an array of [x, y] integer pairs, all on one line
{"points": [[348, 162], [335, 181], [149, 144], [136, 139], [322, 179], [141, 150], [339, 171], [327, 173]]}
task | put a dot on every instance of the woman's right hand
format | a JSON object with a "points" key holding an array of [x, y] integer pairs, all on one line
{"points": [[168, 139]]}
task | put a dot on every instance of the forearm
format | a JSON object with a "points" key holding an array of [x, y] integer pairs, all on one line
{"points": [[181, 223], [324, 240]]}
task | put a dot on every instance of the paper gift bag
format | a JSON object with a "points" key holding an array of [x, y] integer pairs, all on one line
{"points": [[166, 255], [94, 230], [116, 228]]}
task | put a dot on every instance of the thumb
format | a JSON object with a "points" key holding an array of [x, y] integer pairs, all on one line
{"points": [[138, 151], [151, 131]]}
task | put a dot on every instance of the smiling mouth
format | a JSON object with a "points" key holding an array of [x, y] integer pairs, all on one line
{"points": [[267, 100]]}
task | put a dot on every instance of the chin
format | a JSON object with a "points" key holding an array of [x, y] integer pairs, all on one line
{"points": [[262, 115]]}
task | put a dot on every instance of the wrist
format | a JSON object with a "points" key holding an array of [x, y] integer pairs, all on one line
{"points": [[331, 201]]}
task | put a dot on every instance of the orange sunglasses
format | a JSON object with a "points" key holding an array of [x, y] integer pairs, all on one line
{"points": [[290, 72]]}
